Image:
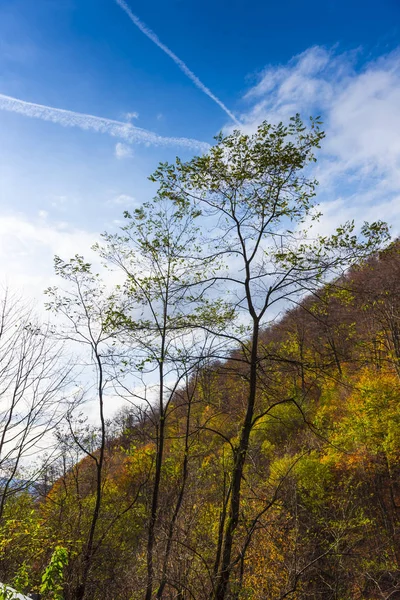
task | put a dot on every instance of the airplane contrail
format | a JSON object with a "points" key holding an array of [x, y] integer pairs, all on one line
{"points": [[183, 67], [118, 129]]}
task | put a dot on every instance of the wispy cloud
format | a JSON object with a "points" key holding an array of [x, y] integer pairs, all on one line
{"points": [[131, 115], [183, 67], [118, 129], [122, 200], [359, 164], [27, 247], [123, 151]]}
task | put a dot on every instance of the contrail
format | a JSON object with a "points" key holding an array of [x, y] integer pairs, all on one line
{"points": [[118, 129], [183, 67]]}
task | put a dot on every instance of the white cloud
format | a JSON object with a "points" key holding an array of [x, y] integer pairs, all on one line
{"points": [[308, 82], [118, 129], [359, 165], [27, 248], [365, 119], [123, 151], [123, 200], [285, 78], [131, 115]]}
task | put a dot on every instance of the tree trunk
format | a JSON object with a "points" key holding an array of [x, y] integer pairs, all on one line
{"points": [[225, 569]]}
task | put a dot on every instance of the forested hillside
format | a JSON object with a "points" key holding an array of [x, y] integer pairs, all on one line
{"points": [[258, 458], [321, 497]]}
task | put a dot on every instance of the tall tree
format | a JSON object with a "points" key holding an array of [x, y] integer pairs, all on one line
{"points": [[256, 198], [83, 309], [159, 318]]}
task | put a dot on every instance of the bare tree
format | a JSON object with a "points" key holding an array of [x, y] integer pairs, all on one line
{"points": [[34, 380]]}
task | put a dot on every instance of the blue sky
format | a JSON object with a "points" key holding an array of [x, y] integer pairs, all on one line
{"points": [[62, 185]]}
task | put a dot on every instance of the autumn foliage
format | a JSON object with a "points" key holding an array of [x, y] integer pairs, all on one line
{"points": [[321, 492], [258, 453]]}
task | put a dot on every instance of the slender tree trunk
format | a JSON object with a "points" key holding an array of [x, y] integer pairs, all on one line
{"points": [[156, 487], [177, 506], [237, 474], [221, 527], [89, 552]]}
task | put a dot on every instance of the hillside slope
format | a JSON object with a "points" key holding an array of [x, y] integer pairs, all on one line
{"points": [[320, 513]]}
